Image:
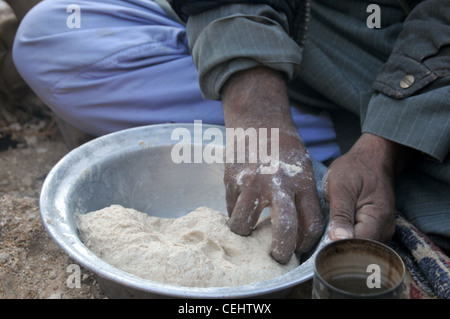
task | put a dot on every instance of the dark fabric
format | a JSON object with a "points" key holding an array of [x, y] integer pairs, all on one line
{"points": [[422, 50], [296, 12], [185, 8], [347, 65]]}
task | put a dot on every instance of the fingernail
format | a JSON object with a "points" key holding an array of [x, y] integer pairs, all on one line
{"points": [[341, 233]]}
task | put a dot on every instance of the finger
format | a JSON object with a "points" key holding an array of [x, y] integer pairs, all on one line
{"points": [[311, 219], [284, 228], [234, 178], [231, 196], [246, 213], [325, 187], [342, 213], [375, 223], [341, 204]]}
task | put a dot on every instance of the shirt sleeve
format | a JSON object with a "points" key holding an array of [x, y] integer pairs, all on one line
{"points": [[411, 105], [186, 8], [236, 37]]}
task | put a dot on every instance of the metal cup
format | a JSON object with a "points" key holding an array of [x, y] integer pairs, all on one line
{"points": [[358, 269]]}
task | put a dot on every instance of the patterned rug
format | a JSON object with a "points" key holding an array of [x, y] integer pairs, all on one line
{"points": [[428, 268]]}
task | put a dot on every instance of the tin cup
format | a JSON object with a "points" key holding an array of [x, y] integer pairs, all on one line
{"points": [[358, 269]]}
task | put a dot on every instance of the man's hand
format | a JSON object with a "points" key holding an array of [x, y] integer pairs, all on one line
{"points": [[257, 98], [359, 189]]}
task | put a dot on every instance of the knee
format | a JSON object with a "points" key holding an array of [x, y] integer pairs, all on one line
{"points": [[34, 22], [37, 45], [39, 25], [30, 33]]}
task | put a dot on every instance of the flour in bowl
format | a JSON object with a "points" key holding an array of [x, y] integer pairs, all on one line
{"points": [[196, 250]]}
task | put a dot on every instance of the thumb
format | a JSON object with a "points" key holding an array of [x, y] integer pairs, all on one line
{"points": [[342, 210], [339, 230]]}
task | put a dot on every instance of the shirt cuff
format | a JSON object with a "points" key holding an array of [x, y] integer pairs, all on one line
{"points": [[420, 121], [233, 38], [421, 54]]}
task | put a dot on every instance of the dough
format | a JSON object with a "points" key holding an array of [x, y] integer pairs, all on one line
{"points": [[196, 250]]}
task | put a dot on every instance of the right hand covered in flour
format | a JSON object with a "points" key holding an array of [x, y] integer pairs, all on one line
{"points": [[255, 99]]}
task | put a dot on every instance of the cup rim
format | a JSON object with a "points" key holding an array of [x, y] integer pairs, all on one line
{"points": [[360, 241]]}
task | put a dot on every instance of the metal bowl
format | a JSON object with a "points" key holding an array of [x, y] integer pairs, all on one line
{"points": [[133, 168]]}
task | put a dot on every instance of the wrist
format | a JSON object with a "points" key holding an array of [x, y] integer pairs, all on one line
{"points": [[389, 155], [256, 98]]}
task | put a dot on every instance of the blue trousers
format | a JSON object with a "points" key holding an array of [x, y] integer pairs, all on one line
{"points": [[127, 64]]}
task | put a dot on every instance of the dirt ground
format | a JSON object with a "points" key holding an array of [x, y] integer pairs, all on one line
{"points": [[32, 266]]}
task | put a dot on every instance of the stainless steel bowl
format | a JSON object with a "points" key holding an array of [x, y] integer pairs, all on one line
{"points": [[133, 168]]}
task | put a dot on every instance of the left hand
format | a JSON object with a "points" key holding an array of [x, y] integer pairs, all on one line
{"points": [[359, 189]]}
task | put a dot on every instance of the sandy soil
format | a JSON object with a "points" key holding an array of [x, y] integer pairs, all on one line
{"points": [[31, 264]]}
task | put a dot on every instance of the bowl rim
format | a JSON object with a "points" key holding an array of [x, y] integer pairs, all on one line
{"points": [[52, 213]]}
